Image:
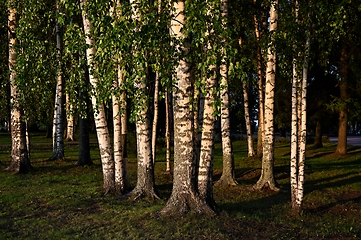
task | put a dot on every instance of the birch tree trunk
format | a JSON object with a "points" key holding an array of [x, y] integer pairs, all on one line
{"points": [[69, 119], [184, 196], [145, 172], [298, 135], [298, 126], [58, 138], [294, 134], [120, 171], [267, 178], [205, 168], [260, 76], [228, 176], [20, 162], [155, 117], [303, 135], [167, 132], [119, 165], [99, 111], [248, 121]]}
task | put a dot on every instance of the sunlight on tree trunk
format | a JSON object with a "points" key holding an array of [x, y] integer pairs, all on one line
{"points": [[205, 160], [145, 187], [99, 112], [69, 119], [155, 117], [20, 162], [184, 197], [167, 132], [267, 178], [298, 124], [121, 178], [248, 121], [228, 175]]}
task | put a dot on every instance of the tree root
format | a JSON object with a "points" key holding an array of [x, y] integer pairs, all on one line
{"points": [[138, 194], [266, 184], [180, 204]]}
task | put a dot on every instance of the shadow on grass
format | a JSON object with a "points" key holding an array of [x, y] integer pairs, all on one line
{"points": [[332, 182], [340, 205], [258, 204]]}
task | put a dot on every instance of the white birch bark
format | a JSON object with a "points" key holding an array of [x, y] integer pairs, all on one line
{"points": [[260, 88], [205, 168], [294, 134], [145, 172], [298, 131], [184, 197], [155, 117], [167, 132], [120, 172], [248, 121], [228, 176], [206, 139], [20, 161], [303, 134], [58, 138], [117, 142], [69, 119], [99, 111], [156, 104], [267, 178], [295, 125]]}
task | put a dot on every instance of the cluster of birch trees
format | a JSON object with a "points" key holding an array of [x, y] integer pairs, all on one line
{"points": [[126, 55]]}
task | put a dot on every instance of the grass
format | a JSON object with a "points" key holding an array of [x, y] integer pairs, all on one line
{"points": [[62, 201]]}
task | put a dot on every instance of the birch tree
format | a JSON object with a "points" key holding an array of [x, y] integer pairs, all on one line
{"points": [[20, 161], [58, 138], [98, 107], [247, 120], [205, 168], [298, 125], [119, 109], [228, 175], [260, 76], [155, 116], [167, 132], [267, 178], [184, 196], [69, 119], [298, 136], [145, 173]]}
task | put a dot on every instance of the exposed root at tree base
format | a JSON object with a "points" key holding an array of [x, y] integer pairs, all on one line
{"points": [[264, 185], [226, 181], [138, 194], [183, 203]]}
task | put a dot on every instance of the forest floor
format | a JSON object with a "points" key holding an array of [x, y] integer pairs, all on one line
{"points": [[60, 200]]}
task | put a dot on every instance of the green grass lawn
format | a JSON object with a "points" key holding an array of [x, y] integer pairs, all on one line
{"points": [[60, 200]]}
